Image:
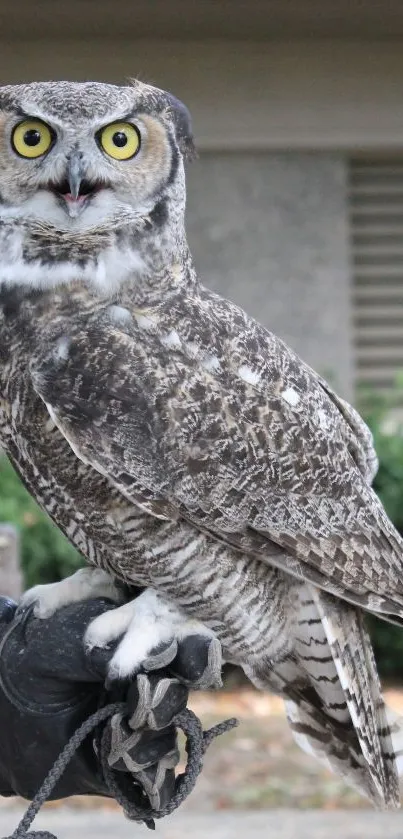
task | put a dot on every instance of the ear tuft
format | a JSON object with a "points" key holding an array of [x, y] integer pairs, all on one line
{"points": [[183, 127]]}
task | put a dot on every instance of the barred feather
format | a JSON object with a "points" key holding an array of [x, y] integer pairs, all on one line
{"points": [[336, 710]]}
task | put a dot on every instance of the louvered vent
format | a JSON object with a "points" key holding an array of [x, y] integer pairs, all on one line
{"points": [[376, 214]]}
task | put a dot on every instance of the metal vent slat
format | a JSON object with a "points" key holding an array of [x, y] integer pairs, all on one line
{"points": [[376, 334], [379, 353], [376, 290], [381, 211], [376, 224]]}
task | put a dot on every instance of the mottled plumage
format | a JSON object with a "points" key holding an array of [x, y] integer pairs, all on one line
{"points": [[179, 444]]}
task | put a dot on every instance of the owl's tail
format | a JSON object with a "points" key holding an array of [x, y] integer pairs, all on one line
{"points": [[333, 698]]}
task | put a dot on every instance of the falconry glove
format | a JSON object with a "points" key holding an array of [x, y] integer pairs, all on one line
{"points": [[50, 683], [143, 740]]}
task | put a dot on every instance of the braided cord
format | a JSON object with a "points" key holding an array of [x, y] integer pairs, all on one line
{"points": [[197, 741]]}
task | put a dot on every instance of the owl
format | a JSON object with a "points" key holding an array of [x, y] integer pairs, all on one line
{"points": [[181, 447]]}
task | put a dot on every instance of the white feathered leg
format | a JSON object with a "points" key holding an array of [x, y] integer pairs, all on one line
{"points": [[85, 584]]}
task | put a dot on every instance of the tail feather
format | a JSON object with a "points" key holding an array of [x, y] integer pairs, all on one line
{"points": [[333, 697], [395, 723], [315, 736], [354, 661]]}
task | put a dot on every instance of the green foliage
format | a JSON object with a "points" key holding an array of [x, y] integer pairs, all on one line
{"points": [[384, 415], [46, 554]]}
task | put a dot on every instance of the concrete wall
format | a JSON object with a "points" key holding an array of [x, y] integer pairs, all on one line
{"points": [[254, 20], [270, 232], [243, 95]]}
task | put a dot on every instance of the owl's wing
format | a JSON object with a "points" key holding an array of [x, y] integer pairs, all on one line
{"points": [[357, 435], [265, 458]]}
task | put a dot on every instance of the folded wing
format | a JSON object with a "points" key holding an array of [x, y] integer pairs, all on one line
{"points": [[262, 455]]}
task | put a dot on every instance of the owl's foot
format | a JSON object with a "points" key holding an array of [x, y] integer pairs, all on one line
{"points": [[157, 634], [85, 584]]}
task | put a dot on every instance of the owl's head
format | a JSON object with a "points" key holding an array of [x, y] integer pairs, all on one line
{"points": [[85, 167]]}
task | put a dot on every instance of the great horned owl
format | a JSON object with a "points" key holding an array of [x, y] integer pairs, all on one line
{"points": [[178, 444]]}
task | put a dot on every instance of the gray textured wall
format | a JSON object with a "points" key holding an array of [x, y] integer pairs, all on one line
{"points": [[270, 231]]}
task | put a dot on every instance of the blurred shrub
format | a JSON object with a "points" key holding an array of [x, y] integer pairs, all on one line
{"points": [[384, 415], [46, 554]]}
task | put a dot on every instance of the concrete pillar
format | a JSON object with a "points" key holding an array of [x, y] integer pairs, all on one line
{"points": [[10, 570], [269, 230]]}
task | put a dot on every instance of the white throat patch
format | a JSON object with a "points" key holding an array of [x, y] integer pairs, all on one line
{"points": [[106, 271]]}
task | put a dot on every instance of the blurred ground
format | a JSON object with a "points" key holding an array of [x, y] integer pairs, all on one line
{"points": [[279, 824]]}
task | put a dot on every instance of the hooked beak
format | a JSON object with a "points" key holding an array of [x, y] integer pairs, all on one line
{"points": [[75, 189], [75, 175]]}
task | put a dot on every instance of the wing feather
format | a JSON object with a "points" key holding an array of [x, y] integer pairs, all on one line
{"points": [[254, 448]]}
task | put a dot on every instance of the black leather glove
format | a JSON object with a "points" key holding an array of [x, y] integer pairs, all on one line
{"points": [[49, 684]]}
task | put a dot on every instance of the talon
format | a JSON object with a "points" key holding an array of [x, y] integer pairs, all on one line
{"points": [[155, 634], [21, 610], [161, 658]]}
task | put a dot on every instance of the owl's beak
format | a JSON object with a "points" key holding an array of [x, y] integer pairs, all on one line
{"points": [[75, 190], [75, 175]]}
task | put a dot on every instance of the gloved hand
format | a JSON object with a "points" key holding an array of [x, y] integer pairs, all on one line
{"points": [[49, 684]]}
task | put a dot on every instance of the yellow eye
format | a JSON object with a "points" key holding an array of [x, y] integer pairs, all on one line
{"points": [[32, 138], [120, 140]]}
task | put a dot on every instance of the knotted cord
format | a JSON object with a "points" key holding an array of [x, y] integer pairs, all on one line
{"points": [[197, 741]]}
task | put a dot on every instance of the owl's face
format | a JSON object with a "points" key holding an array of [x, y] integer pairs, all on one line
{"points": [[83, 156]]}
